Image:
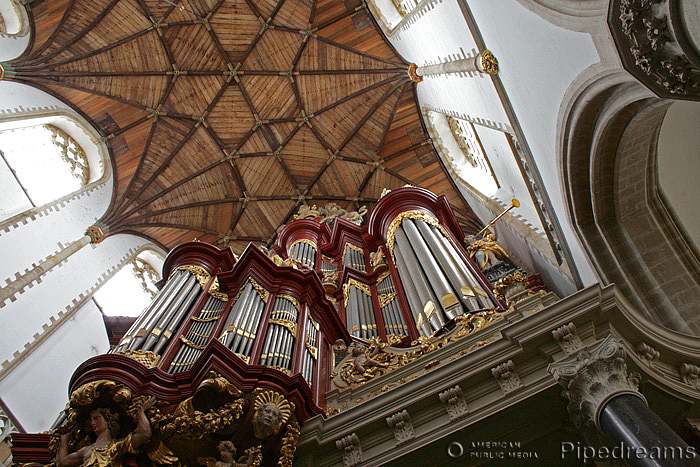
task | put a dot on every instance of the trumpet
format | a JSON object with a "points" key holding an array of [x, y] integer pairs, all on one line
{"points": [[514, 203]]}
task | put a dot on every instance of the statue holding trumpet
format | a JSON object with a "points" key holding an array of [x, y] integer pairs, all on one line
{"points": [[484, 250]]}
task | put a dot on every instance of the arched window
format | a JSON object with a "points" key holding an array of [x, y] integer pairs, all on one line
{"points": [[462, 151], [41, 160], [132, 288]]}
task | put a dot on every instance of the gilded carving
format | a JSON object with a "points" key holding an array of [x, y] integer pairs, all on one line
{"points": [[415, 214], [364, 288], [215, 292], [512, 286], [201, 273], [382, 357], [145, 357], [487, 63]]}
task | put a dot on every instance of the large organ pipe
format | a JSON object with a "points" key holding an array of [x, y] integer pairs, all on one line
{"points": [[145, 335], [175, 321], [139, 329], [247, 313], [448, 298], [252, 328], [431, 312], [188, 294], [235, 316], [414, 301], [474, 287]]}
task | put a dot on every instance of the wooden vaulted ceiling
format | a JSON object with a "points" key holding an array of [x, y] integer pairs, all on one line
{"points": [[223, 116]]}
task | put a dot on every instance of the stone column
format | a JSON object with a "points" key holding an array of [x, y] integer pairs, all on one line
{"points": [[94, 234], [601, 393], [484, 62]]}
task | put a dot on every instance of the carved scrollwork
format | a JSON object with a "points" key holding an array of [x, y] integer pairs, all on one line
{"points": [[379, 358]]}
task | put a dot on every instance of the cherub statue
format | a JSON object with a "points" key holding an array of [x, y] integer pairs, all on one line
{"points": [[107, 450], [486, 252], [227, 453], [363, 362]]}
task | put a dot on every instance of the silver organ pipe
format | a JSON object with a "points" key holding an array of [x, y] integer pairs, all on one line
{"points": [[164, 296], [354, 257], [431, 309], [161, 323], [278, 347], [308, 364], [243, 321], [198, 335], [412, 293], [305, 252], [464, 284], [359, 310], [448, 301], [393, 319]]}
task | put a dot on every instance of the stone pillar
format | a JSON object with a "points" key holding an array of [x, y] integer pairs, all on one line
{"points": [[94, 234], [601, 393], [484, 62]]}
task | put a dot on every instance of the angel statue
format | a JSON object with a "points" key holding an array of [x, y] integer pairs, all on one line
{"points": [[227, 453], [107, 450], [486, 252]]}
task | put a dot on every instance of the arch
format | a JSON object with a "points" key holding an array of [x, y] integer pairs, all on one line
{"points": [[73, 125], [609, 140], [462, 151], [146, 265]]}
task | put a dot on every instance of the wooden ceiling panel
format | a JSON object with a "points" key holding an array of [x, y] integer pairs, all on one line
{"points": [[329, 10], [265, 8], [320, 91], [193, 48], [132, 56], [294, 14], [165, 139], [198, 153], [222, 114], [255, 144], [236, 26], [141, 91], [323, 55], [274, 51], [191, 95], [341, 122], [264, 176], [231, 117], [341, 178], [304, 156], [112, 28], [380, 180], [272, 96], [263, 216], [191, 10]]}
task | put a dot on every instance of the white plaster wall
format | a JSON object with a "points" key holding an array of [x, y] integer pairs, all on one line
{"points": [[37, 390], [538, 63], [678, 160], [60, 290]]}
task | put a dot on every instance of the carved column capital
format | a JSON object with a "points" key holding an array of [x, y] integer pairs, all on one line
{"points": [[592, 376]]}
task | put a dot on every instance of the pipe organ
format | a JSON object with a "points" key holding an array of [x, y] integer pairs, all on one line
{"points": [[403, 274]]}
